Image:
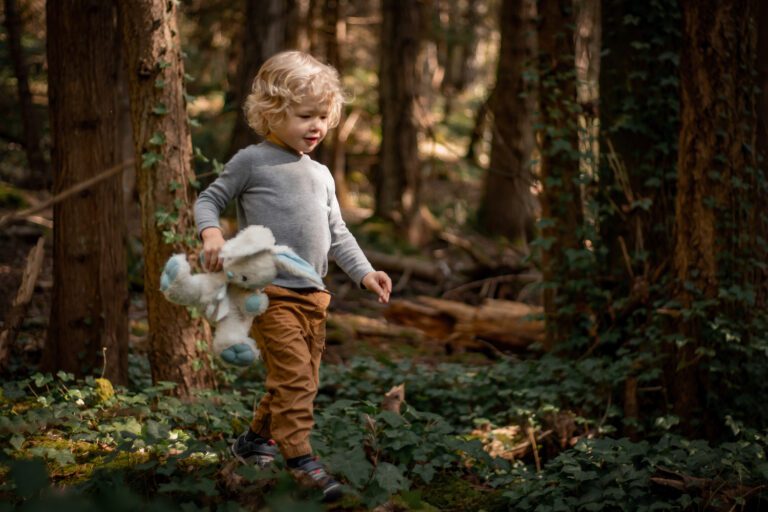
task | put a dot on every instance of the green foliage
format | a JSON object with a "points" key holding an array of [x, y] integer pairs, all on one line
{"points": [[618, 474], [145, 447]]}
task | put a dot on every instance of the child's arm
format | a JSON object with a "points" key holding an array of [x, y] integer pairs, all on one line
{"points": [[213, 241], [348, 255], [209, 205]]}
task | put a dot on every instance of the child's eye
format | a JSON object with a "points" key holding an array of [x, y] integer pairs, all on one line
{"points": [[304, 116]]}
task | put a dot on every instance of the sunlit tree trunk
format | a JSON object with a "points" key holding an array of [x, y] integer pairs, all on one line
{"points": [[89, 306], [398, 175], [39, 174], [561, 202], [163, 148], [264, 34], [508, 206], [721, 198]]}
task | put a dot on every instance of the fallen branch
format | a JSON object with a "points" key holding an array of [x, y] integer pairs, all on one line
{"points": [[19, 308], [509, 324], [490, 283], [17, 216], [416, 267], [357, 325]]}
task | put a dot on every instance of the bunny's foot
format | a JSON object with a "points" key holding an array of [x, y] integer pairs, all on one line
{"points": [[171, 270], [240, 354]]}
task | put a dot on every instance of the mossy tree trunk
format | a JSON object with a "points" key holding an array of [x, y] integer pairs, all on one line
{"points": [[89, 313], [721, 198], [508, 206], [397, 177], [639, 122], [179, 345], [561, 198], [762, 117]]}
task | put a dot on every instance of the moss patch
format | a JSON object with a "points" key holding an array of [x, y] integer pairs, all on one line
{"points": [[450, 493]]}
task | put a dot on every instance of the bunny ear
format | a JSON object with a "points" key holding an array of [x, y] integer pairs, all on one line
{"points": [[291, 263], [249, 241]]}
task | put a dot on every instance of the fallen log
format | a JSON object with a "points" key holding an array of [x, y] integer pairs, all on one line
{"points": [[402, 264], [359, 326], [19, 308], [507, 324]]}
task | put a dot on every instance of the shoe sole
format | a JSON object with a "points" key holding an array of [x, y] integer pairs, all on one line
{"points": [[332, 493]]}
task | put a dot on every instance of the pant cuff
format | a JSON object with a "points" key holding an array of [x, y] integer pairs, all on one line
{"points": [[298, 450]]}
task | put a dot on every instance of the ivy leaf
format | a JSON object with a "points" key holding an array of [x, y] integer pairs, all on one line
{"points": [[17, 441], [149, 159], [390, 478], [160, 109], [158, 139]]}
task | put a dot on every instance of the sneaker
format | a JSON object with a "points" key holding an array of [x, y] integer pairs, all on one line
{"points": [[261, 454], [313, 474]]}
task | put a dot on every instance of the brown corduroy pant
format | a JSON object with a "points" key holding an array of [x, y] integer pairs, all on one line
{"points": [[291, 337]]}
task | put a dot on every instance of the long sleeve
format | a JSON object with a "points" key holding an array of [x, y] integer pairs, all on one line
{"points": [[229, 185], [344, 248]]}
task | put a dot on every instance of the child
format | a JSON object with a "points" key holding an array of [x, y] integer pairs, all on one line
{"points": [[294, 101]]}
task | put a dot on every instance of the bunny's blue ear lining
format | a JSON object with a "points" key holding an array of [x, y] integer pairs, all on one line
{"points": [[292, 259]]}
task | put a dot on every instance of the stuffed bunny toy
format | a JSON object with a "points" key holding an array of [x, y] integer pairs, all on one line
{"points": [[232, 298]]}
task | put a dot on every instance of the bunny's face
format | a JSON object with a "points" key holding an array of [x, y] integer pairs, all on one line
{"points": [[252, 272]]}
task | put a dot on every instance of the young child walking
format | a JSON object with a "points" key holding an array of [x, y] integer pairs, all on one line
{"points": [[295, 99]]}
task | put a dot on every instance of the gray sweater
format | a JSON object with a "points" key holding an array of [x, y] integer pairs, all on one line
{"points": [[293, 196]]}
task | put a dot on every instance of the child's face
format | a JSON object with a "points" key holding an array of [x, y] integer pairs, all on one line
{"points": [[303, 127]]}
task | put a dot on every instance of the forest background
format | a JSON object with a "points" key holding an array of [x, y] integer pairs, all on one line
{"points": [[569, 195]]}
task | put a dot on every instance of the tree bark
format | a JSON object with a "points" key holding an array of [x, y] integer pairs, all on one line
{"points": [[508, 206], [638, 161], [39, 173], [264, 34], [720, 207], [179, 345], [89, 313], [561, 201], [762, 116], [397, 178]]}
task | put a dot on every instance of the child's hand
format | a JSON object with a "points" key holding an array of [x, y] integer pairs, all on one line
{"points": [[379, 283], [213, 241]]}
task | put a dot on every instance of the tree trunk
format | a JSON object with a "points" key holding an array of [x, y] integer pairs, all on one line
{"points": [[508, 206], [89, 314], [264, 34], [397, 178], [561, 201], [638, 134], [327, 49], [721, 199], [39, 176], [762, 114], [162, 139]]}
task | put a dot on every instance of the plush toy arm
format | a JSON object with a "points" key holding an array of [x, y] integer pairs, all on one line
{"points": [[181, 287], [291, 263]]}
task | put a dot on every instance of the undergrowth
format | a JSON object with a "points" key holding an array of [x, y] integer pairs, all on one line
{"points": [[68, 443]]}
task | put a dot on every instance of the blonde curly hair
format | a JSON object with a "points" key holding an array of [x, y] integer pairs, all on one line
{"points": [[286, 79]]}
